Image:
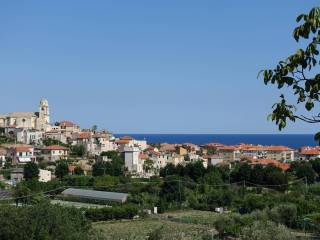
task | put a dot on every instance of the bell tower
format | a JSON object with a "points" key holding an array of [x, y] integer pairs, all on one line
{"points": [[44, 114]]}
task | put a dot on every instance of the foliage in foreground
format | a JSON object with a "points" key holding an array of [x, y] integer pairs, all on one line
{"points": [[43, 221]]}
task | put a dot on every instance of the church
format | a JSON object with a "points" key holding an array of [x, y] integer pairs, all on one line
{"points": [[32, 120]]}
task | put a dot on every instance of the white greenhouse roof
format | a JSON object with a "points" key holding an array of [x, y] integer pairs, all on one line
{"points": [[98, 195]]}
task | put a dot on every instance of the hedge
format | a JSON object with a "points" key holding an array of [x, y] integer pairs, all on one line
{"points": [[112, 213]]}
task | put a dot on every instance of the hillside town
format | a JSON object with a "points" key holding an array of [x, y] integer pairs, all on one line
{"points": [[31, 137]]}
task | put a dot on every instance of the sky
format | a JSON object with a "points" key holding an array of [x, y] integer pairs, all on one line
{"points": [[169, 66]]}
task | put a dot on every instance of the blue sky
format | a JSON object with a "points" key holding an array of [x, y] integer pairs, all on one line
{"points": [[169, 66]]}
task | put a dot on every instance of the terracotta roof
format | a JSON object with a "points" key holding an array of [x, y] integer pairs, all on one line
{"points": [[214, 145], [52, 131], [84, 135], [126, 138], [122, 141], [24, 149], [265, 161], [71, 168], [228, 148], [167, 147], [67, 124], [55, 147], [143, 156], [310, 150]]}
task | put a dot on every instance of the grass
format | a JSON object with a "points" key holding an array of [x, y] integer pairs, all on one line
{"points": [[141, 229], [192, 217]]}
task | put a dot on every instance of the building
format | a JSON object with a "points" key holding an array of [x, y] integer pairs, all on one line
{"points": [[101, 142], [265, 162], [132, 161], [30, 136], [213, 160], [68, 128], [22, 154], [182, 151], [230, 153], [95, 195], [56, 135], [16, 176], [3, 155], [234, 153], [44, 175], [54, 153], [130, 142], [308, 153], [34, 120]]}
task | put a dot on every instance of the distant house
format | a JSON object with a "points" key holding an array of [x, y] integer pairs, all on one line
{"points": [[132, 161], [54, 153], [30, 136], [95, 195], [5, 194], [56, 135], [309, 153], [44, 175], [213, 160], [22, 154], [68, 128], [16, 175], [266, 162], [3, 155]]}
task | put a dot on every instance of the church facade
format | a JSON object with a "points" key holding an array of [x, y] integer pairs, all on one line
{"points": [[31, 120]]}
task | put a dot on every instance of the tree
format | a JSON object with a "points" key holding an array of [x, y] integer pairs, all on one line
{"points": [[304, 170], [78, 171], [168, 170], [98, 168], [316, 165], [78, 150], [31, 171], [43, 221], [148, 165], [21, 194], [50, 142], [241, 172], [94, 128], [62, 169], [194, 170], [298, 72], [213, 177], [265, 230], [173, 189]]}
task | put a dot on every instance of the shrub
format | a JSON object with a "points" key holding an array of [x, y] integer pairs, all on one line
{"points": [[265, 230], [284, 214], [112, 213]]}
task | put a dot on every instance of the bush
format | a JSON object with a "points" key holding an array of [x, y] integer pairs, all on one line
{"points": [[265, 230], [284, 214], [112, 213], [43, 221]]}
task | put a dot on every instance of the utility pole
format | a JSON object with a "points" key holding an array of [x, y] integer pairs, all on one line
{"points": [[179, 192], [306, 185]]}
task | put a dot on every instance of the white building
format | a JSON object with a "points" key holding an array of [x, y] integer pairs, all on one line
{"points": [[132, 160], [22, 154], [56, 135], [3, 154], [54, 153], [30, 136], [44, 175]]}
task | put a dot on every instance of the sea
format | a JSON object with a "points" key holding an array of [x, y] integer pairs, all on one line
{"points": [[291, 140]]}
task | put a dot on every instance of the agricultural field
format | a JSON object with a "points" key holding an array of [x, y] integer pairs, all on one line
{"points": [[144, 228], [191, 217]]}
